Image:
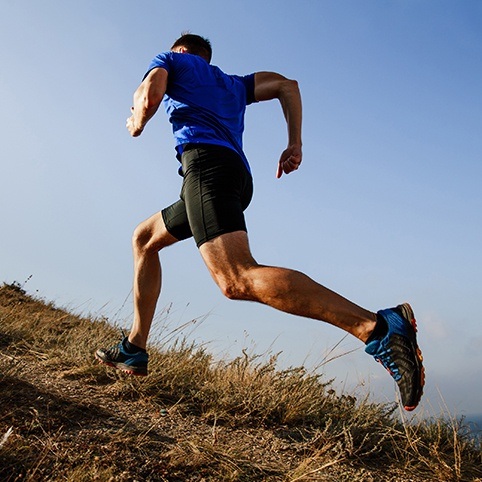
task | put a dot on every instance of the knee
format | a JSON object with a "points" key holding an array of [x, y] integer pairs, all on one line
{"points": [[238, 289], [139, 239], [142, 240]]}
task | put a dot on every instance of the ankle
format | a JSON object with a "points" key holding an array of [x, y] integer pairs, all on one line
{"points": [[379, 331], [132, 348]]}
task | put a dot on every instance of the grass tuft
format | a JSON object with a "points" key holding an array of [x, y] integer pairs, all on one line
{"points": [[65, 417]]}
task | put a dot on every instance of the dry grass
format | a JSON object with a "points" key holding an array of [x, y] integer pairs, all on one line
{"points": [[64, 417]]}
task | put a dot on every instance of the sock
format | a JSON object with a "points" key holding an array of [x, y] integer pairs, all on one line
{"points": [[131, 348], [381, 329]]}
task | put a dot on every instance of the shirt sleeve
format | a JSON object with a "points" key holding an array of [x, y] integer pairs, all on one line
{"points": [[249, 84], [159, 61]]}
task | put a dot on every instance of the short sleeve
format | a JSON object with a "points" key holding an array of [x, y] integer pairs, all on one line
{"points": [[248, 81], [162, 61]]}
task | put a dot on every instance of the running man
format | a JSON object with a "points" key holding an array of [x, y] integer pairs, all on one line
{"points": [[206, 108]]}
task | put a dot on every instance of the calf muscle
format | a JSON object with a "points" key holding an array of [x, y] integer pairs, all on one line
{"points": [[239, 276]]}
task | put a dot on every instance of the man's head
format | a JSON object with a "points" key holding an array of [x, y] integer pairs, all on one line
{"points": [[194, 44]]}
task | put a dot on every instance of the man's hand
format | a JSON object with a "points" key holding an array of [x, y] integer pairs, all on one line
{"points": [[290, 160], [131, 127]]}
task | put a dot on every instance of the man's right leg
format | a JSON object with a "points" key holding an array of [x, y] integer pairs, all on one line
{"points": [[148, 239]]}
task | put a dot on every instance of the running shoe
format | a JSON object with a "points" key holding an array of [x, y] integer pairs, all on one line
{"points": [[118, 357], [399, 353]]}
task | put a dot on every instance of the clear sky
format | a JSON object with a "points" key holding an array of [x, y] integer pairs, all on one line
{"points": [[386, 208]]}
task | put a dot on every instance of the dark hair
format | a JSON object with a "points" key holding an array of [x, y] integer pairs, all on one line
{"points": [[195, 44]]}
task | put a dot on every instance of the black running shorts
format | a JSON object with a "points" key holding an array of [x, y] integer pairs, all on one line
{"points": [[216, 189]]}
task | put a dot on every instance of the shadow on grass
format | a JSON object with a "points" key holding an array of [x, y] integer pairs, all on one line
{"points": [[50, 431]]}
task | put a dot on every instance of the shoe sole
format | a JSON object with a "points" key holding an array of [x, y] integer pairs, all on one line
{"points": [[408, 314], [140, 372]]}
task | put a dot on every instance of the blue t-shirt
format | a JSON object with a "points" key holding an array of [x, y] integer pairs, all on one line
{"points": [[204, 104]]}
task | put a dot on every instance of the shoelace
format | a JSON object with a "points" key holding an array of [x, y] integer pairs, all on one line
{"points": [[113, 352], [386, 360]]}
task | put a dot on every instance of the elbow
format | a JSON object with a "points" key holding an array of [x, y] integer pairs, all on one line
{"points": [[289, 86], [287, 89]]}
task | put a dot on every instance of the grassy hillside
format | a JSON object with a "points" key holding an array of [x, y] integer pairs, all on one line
{"points": [[65, 417]]}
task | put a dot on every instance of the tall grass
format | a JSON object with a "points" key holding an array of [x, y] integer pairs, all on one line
{"points": [[320, 433]]}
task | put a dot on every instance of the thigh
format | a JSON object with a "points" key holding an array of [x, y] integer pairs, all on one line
{"points": [[176, 220], [228, 256], [217, 189]]}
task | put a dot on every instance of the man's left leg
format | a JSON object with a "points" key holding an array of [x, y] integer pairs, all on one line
{"points": [[390, 335], [239, 276]]}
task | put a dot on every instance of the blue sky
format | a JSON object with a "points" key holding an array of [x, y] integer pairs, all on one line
{"points": [[386, 208]]}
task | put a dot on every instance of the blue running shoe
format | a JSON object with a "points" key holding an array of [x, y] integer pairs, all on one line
{"points": [[399, 353], [118, 357]]}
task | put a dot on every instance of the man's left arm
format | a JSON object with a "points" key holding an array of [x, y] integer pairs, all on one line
{"points": [[270, 85], [147, 99]]}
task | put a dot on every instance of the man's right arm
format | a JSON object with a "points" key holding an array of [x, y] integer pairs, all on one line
{"points": [[270, 85], [147, 99]]}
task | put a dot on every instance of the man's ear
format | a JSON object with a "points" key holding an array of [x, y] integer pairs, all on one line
{"points": [[180, 50]]}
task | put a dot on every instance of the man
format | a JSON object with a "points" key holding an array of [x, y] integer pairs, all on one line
{"points": [[206, 108]]}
